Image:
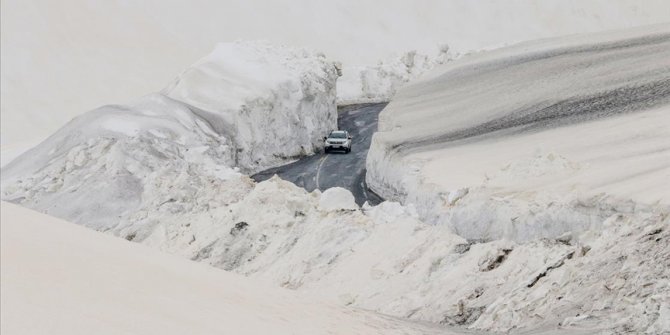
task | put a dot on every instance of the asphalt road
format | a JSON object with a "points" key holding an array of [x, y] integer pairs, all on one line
{"points": [[323, 171]]}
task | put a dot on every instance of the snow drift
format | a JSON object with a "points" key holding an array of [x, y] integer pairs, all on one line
{"points": [[534, 140]]}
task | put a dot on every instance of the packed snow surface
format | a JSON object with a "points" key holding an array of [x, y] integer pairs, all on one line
{"points": [[534, 140], [58, 278], [60, 59]]}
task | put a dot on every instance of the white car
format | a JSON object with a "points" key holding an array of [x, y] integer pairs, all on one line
{"points": [[338, 140]]}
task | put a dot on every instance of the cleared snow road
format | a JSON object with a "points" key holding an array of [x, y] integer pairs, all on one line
{"points": [[323, 171]]}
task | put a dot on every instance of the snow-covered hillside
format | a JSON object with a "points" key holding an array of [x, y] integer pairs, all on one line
{"points": [[533, 140], [58, 278], [60, 59]]}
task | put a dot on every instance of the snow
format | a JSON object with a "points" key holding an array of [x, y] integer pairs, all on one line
{"points": [[551, 229], [538, 179], [379, 83], [219, 118], [61, 59], [274, 103], [620, 260], [8, 152], [108, 159], [385, 259], [58, 278], [337, 199]]}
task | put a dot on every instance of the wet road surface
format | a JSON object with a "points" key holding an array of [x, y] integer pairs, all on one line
{"points": [[323, 171]]}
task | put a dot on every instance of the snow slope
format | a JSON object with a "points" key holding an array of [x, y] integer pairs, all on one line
{"points": [[61, 59], [58, 278], [533, 140]]}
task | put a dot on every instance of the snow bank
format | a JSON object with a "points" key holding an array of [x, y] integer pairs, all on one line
{"points": [[379, 83], [534, 140], [246, 106], [58, 278], [273, 103], [336, 199]]}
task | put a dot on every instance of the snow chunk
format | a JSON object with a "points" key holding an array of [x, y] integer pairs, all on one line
{"points": [[336, 199]]}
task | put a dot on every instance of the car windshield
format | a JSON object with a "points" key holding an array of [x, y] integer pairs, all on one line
{"points": [[338, 135]]}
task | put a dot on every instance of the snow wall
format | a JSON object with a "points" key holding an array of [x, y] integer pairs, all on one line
{"points": [[534, 140]]}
